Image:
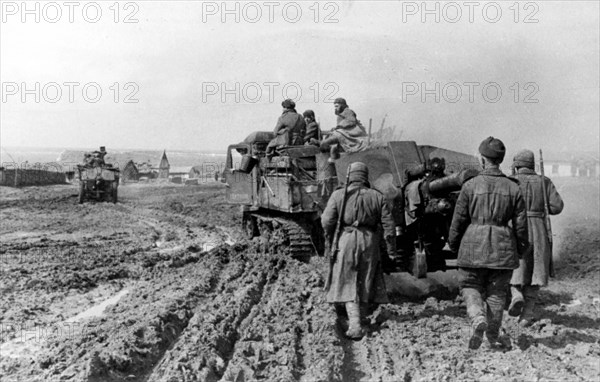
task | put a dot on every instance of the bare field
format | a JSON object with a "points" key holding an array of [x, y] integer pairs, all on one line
{"points": [[160, 287]]}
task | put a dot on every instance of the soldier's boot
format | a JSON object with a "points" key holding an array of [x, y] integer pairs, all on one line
{"points": [[355, 329], [516, 302], [478, 327], [475, 312], [495, 311], [340, 310], [528, 316]]}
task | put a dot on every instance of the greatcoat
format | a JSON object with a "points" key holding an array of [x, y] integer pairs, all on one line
{"points": [[357, 275], [534, 267], [289, 129], [349, 132], [313, 131]]}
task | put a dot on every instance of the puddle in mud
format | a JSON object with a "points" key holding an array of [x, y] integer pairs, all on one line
{"points": [[169, 250], [207, 247], [25, 235], [211, 241], [97, 310], [30, 339]]}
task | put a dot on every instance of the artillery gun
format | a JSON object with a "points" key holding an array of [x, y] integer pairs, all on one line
{"points": [[282, 199], [98, 180]]}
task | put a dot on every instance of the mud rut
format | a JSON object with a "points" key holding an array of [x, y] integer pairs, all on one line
{"points": [[201, 305]]}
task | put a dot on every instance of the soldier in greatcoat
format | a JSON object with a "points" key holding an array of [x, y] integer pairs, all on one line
{"points": [[289, 129], [357, 276], [489, 232], [534, 267], [313, 131], [349, 134]]}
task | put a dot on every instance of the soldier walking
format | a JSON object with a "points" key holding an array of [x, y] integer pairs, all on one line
{"points": [[535, 266], [356, 277], [488, 248]]}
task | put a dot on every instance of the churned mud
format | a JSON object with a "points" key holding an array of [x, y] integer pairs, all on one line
{"points": [[161, 287]]}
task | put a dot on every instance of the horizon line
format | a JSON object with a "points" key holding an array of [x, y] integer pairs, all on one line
{"points": [[4, 148]]}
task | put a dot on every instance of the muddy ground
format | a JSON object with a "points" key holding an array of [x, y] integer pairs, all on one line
{"points": [[161, 287]]}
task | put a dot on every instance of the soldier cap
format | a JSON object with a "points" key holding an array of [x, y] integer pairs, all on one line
{"points": [[492, 148], [288, 104], [341, 101]]}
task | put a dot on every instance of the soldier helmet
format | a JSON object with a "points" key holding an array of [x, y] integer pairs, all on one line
{"points": [[492, 148], [341, 101], [524, 158], [288, 104], [359, 172]]}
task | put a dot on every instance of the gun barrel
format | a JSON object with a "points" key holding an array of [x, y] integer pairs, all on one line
{"points": [[545, 196], [452, 182]]}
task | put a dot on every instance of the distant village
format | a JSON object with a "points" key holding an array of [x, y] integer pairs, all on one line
{"points": [[133, 169], [133, 172], [208, 168], [565, 164]]}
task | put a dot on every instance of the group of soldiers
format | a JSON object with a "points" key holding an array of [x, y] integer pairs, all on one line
{"points": [[498, 231], [95, 158], [293, 129]]}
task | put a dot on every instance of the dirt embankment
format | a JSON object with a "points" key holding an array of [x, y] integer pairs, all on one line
{"points": [[191, 302]]}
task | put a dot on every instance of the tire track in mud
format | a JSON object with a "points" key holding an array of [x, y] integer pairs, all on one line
{"points": [[204, 350], [108, 348], [321, 346], [267, 345], [266, 320], [354, 367], [138, 330], [290, 334], [368, 360], [390, 351]]}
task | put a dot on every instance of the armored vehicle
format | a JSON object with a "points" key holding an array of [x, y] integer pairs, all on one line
{"points": [[97, 180]]}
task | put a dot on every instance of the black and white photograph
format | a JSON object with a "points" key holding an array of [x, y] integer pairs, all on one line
{"points": [[302, 190]]}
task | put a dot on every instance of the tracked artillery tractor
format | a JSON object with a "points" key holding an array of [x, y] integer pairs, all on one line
{"points": [[97, 180], [282, 199]]}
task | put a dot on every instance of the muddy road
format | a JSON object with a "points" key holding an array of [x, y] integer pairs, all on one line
{"points": [[161, 287]]}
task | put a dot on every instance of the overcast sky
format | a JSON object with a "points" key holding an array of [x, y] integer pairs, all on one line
{"points": [[179, 59]]}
